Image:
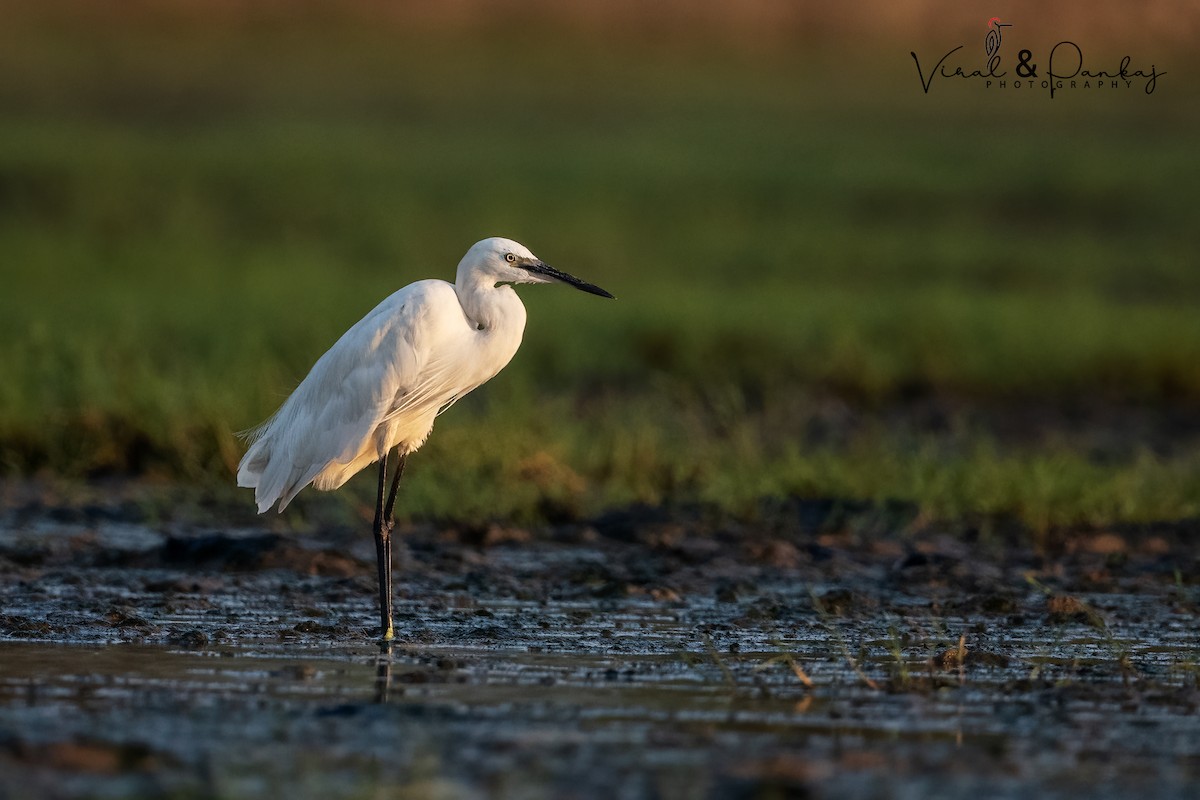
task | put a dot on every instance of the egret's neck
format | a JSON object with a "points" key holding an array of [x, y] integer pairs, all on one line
{"points": [[490, 307]]}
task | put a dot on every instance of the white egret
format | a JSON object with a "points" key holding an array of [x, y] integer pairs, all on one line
{"points": [[383, 383]]}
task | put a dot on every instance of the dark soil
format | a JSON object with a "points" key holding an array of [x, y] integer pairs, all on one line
{"points": [[823, 649]]}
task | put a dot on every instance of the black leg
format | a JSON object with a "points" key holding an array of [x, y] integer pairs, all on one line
{"points": [[388, 511], [389, 522], [383, 555]]}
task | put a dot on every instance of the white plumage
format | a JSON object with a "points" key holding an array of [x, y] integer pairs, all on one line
{"points": [[386, 379], [380, 386]]}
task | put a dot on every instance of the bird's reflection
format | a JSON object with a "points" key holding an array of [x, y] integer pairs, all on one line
{"points": [[383, 672]]}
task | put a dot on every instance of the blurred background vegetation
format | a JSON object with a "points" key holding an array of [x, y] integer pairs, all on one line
{"points": [[831, 284]]}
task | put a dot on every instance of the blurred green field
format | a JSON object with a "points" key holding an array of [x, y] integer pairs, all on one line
{"points": [[808, 258]]}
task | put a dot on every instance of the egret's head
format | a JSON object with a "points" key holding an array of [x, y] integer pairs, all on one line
{"points": [[506, 261]]}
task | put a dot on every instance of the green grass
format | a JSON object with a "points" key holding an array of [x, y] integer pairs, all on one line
{"points": [[185, 229]]}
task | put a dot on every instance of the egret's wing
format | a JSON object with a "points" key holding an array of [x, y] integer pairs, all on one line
{"points": [[333, 413], [438, 385]]}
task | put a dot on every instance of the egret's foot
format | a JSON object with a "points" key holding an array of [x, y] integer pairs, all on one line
{"points": [[388, 634]]}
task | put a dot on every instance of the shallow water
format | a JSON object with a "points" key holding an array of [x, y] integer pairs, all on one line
{"points": [[175, 664]]}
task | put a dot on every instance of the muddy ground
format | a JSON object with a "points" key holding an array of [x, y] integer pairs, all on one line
{"points": [[823, 649]]}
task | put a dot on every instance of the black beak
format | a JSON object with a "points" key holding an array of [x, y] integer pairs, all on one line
{"points": [[542, 268]]}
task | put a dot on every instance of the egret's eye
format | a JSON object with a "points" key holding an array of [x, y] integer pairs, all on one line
{"points": [[510, 258]]}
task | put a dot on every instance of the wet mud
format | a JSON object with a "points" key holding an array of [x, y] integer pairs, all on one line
{"points": [[820, 650]]}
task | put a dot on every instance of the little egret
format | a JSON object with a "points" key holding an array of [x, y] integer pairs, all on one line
{"points": [[383, 383]]}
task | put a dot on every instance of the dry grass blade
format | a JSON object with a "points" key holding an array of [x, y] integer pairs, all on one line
{"points": [[720, 662], [801, 675], [823, 613]]}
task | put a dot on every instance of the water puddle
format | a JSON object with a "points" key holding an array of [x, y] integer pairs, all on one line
{"points": [[137, 663]]}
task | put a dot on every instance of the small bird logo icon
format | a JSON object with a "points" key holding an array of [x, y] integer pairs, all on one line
{"points": [[991, 42]]}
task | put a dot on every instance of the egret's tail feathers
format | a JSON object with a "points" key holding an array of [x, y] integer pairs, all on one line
{"points": [[262, 500], [298, 481], [252, 471], [272, 476]]}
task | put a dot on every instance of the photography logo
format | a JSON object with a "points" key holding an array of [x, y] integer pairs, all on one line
{"points": [[1064, 69]]}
